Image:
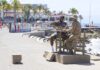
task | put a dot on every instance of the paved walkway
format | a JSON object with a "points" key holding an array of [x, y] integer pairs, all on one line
{"points": [[32, 54]]}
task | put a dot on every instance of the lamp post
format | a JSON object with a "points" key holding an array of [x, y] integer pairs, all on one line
{"points": [[90, 13]]}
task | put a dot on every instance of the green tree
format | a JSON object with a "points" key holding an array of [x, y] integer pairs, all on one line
{"points": [[26, 11], [34, 10], [0, 5], [16, 6], [3, 4], [47, 11], [73, 11], [8, 7], [40, 8]]}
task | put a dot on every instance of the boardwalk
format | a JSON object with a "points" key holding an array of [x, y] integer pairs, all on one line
{"points": [[32, 54]]}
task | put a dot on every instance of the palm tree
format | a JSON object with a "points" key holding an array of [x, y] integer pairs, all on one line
{"points": [[0, 5], [34, 10], [16, 6], [3, 5], [73, 11], [47, 11], [40, 8], [8, 7], [26, 11]]}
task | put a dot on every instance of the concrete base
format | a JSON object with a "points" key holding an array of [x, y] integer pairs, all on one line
{"points": [[17, 59], [72, 59]]}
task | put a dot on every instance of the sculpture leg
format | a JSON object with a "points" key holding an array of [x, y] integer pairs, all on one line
{"points": [[52, 42], [71, 51]]}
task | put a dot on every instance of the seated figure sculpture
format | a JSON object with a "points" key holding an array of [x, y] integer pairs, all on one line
{"points": [[60, 25], [75, 33]]}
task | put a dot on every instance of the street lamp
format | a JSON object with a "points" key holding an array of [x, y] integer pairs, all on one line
{"points": [[90, 12]]}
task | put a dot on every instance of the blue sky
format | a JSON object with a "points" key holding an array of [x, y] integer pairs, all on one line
{"points": [[83, 6]]}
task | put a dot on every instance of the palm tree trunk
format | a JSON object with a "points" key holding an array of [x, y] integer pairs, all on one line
{"points": [[15, 17], [3, 14]]}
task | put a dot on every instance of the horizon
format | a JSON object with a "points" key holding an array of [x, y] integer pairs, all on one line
{"points": [[86, 8]]}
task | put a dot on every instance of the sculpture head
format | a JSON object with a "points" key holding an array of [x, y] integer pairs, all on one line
{"points": [[61, 18], [73, 18]]}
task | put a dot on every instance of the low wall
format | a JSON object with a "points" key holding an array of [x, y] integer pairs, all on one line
{"points": [[38, 34]]}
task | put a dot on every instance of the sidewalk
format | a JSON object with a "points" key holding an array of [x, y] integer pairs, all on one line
{"points": [[32, 54]]}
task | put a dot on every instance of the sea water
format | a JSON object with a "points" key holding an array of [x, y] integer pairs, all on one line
{"points": [[94, 46]]}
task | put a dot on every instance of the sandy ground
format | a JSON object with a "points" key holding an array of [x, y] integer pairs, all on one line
{"points": [[32, 54]]}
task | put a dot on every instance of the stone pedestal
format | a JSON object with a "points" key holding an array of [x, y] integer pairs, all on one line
{"points": [[72, 59]]}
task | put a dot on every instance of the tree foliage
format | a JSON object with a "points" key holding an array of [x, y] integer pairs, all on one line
{"points": [[74, 11]]}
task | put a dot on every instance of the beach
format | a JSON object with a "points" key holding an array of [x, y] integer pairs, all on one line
{"points": [[32, 51]]}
